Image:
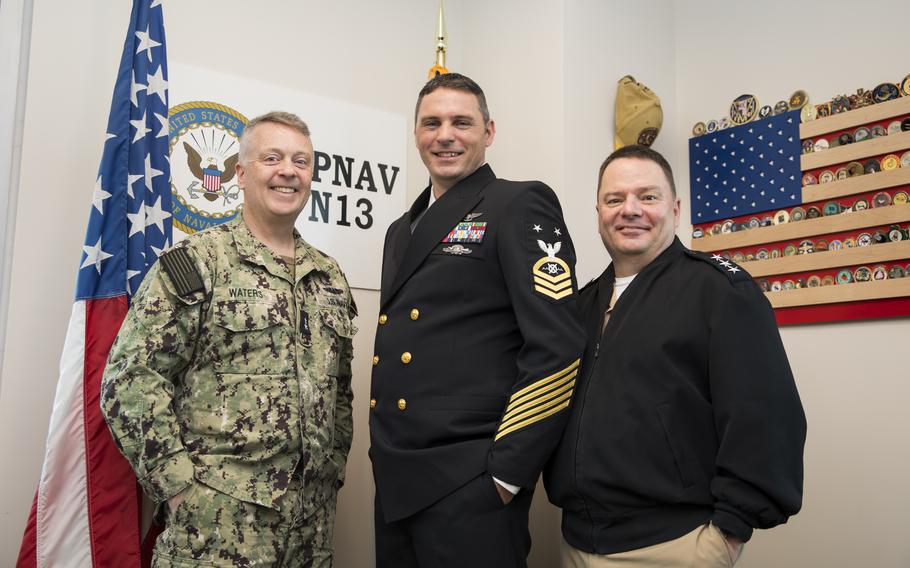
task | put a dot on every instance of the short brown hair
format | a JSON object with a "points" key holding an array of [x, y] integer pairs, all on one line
{"points": [[456, 82], [642, 153], [275, 117]]}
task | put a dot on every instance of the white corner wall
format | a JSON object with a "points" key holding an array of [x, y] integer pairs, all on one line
{"points": [[852, 376]]}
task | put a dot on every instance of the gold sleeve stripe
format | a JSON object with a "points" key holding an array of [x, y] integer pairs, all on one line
{"points": [[532, 420], [552, 279], [542, 382], [533, 397], [536, 404], [556, 287], [555, 296]]}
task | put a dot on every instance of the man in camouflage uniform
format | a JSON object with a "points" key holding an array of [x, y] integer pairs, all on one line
{"points": [[229, 386]]}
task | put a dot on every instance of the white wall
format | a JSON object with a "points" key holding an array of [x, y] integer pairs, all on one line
{"points": [[851, 376], [550, 71]]}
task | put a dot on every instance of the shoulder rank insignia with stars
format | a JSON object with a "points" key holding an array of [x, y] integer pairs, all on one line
{"points": [[552, 276], [726, 266]]}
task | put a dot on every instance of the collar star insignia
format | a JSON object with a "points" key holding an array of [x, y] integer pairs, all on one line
{"points": [[557, 232], [733, 269], [716, 257], [726, 264], [537, 228]]}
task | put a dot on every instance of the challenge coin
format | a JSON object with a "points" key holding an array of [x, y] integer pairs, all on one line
{"points": [[699, 129], [781, 107], [813, 212], [885, 92], [840, 104], [872, 166], [797, 214], [881, 199], [808, 113], [861, 133], [905, 86], [826, 176], [798, 99], [765, 111], [862, 274], [891, 162], [831, 208], [743, 109], [845, 276]]}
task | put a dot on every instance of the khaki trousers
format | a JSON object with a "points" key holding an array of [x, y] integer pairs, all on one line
{"points": [[705, 547]]}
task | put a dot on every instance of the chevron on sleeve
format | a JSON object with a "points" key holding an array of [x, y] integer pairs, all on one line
{"points": [[539, 400]]}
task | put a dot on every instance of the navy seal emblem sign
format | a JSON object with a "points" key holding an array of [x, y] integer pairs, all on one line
{"points": [[205, 143]]}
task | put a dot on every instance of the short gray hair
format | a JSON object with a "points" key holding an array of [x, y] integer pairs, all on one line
{"points": [[275, 117]]}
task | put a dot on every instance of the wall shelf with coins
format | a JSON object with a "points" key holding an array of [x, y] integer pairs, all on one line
{"points": [[843, 252]]}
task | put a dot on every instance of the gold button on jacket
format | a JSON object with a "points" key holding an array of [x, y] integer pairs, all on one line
{"points": [[372, 403], [383, 318], [402, 404], [405, 357], [415, 313], [375, 359]]}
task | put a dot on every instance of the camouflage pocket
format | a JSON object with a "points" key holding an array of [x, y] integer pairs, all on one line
{"points": [[248, 338], [251, 417]]}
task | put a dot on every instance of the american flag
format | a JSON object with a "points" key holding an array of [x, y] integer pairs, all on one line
{"points": [[86, 511], [746, 169]]}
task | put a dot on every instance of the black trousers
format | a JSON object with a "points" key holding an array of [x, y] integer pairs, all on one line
{"points": [[470, 527]]}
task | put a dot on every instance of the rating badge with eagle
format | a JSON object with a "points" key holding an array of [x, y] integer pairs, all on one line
{"points": [[552, 276]]}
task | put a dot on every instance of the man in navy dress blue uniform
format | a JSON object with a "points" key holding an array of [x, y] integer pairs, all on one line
{"points": [[476, 352]]}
